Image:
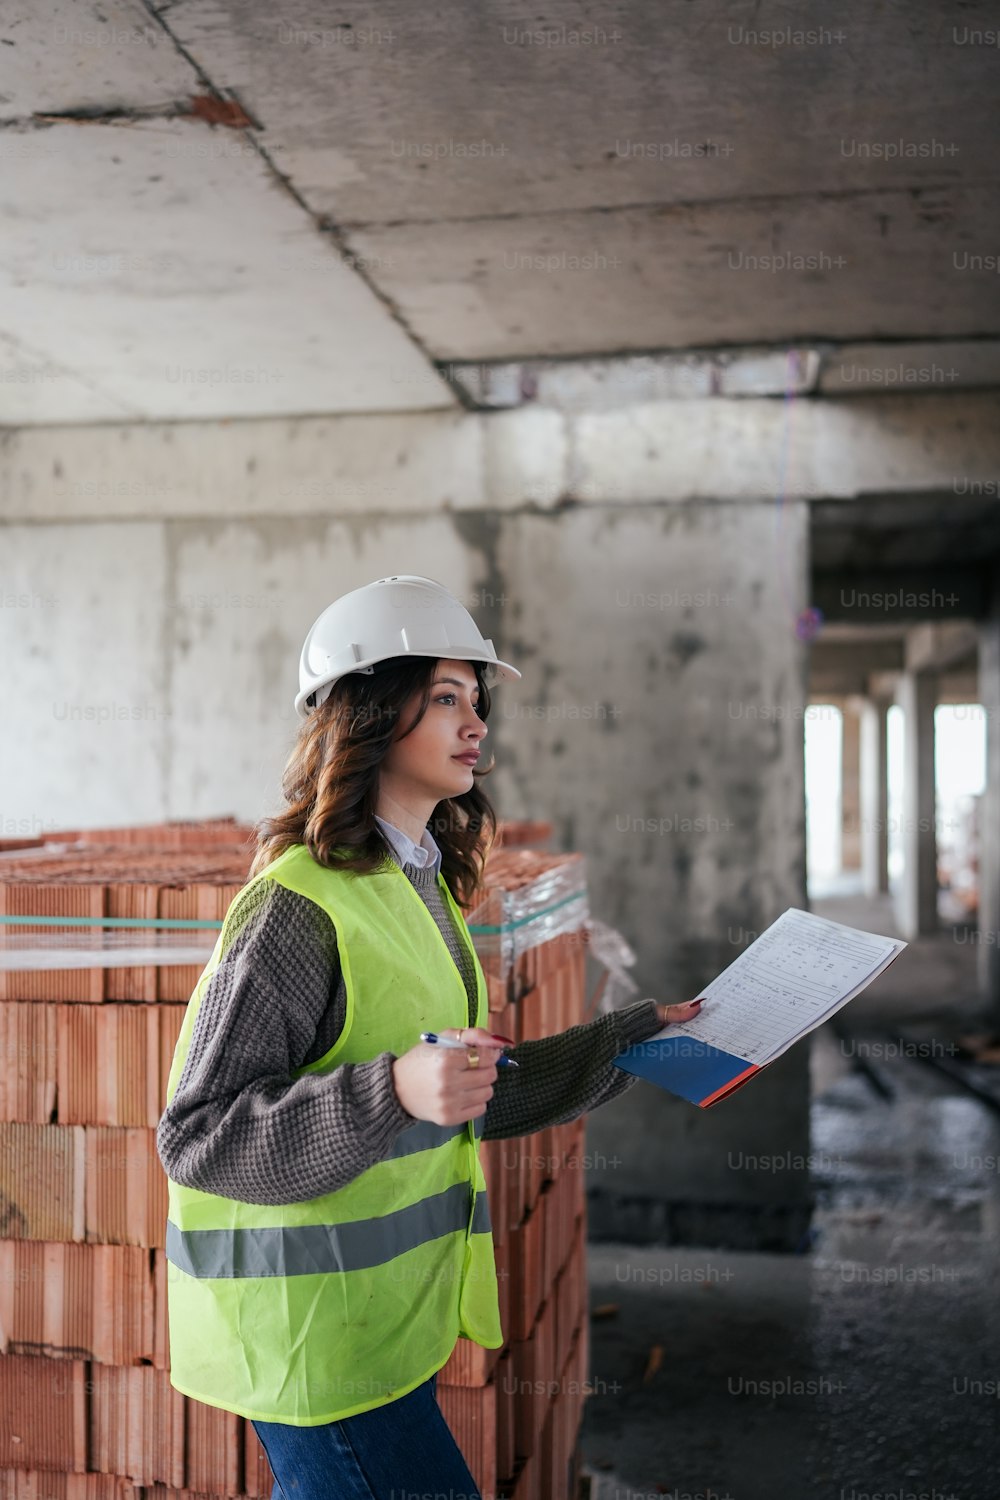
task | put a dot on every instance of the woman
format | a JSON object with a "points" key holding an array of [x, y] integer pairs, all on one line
{"points": [[328, 1236]]}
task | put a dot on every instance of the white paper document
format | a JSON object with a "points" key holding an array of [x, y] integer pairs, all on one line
{"points": [[799, 971]]}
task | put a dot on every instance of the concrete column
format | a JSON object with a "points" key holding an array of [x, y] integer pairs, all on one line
{"points": [[989, 845], [672, 759], [874, 798], [917, 898], [850, 786]]}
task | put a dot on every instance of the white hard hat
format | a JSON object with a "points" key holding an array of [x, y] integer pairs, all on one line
{"points": [[400, 616]]}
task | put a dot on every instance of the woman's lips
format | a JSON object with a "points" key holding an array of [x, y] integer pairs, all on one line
{"points": [[469, 758]]}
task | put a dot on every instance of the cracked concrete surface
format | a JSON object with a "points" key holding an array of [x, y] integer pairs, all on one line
{"points": [[866, 1366], [454, 196]]}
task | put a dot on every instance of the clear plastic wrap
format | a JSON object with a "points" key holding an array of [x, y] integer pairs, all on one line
{"points": [[511, 921], [550, 904], [609, 948]]}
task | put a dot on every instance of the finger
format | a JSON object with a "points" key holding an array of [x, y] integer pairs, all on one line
{"points": [[473, 1079], [475, 1036], [469, 1102], [458, 1062], [684, 1012], [470, 1036]]}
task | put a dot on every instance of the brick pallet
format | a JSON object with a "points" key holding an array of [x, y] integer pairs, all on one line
{"points": [[86, 1408]]}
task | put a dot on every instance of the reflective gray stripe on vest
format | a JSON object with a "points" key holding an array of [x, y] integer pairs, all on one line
{"points": [[425, 1135], [312, 1249]]}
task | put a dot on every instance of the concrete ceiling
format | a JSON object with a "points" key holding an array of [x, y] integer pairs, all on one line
{"points": [[229, 210], [867, 659], [931, 556], [916, 532]]}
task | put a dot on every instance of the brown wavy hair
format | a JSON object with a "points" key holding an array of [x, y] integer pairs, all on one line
{"points": [[330, 781]]}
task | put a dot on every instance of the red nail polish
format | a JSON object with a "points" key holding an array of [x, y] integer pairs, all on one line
{"points": [[508, 1040]]}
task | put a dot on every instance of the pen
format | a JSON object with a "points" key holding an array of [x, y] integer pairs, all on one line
{"points": [[447, 1041]]}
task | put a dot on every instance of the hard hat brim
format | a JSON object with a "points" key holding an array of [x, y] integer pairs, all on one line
{"points": [[496, 671]]}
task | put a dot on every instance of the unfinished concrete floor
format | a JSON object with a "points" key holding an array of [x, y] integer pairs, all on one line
{"points": [[866, 1366]]}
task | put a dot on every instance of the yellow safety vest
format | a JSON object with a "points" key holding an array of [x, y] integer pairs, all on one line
{"points": [[308, 1312]]}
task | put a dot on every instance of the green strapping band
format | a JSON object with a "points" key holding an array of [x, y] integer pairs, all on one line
{"points": [[533, 917], [171, 923], [177, 924]]}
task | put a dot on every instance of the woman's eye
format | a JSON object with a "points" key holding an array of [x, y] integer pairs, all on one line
{"points": [[445, 696]]}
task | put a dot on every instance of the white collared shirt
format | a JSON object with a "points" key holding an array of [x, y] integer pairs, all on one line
{"points": [[406, 851]]}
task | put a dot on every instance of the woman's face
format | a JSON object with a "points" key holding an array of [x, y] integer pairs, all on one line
{"points": [[425, 763]]}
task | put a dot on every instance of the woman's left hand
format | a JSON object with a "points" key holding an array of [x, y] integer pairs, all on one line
{"points": [[674, 1013]]}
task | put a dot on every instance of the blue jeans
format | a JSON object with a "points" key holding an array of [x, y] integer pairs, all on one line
{"points": [[395, 1452]]}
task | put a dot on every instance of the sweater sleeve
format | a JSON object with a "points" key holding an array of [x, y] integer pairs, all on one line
{"points": [[239, 1125], [565, 1075]]}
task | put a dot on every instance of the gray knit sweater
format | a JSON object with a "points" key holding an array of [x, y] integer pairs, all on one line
{"points": [[239, 1125]]}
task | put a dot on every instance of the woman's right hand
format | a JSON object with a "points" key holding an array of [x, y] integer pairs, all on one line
{"points": [[437, 1084]]}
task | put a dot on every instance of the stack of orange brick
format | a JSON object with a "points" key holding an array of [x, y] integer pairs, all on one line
{"points": [[86, 1408], [208, 833], [516, 1411], [84, 1389]]}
